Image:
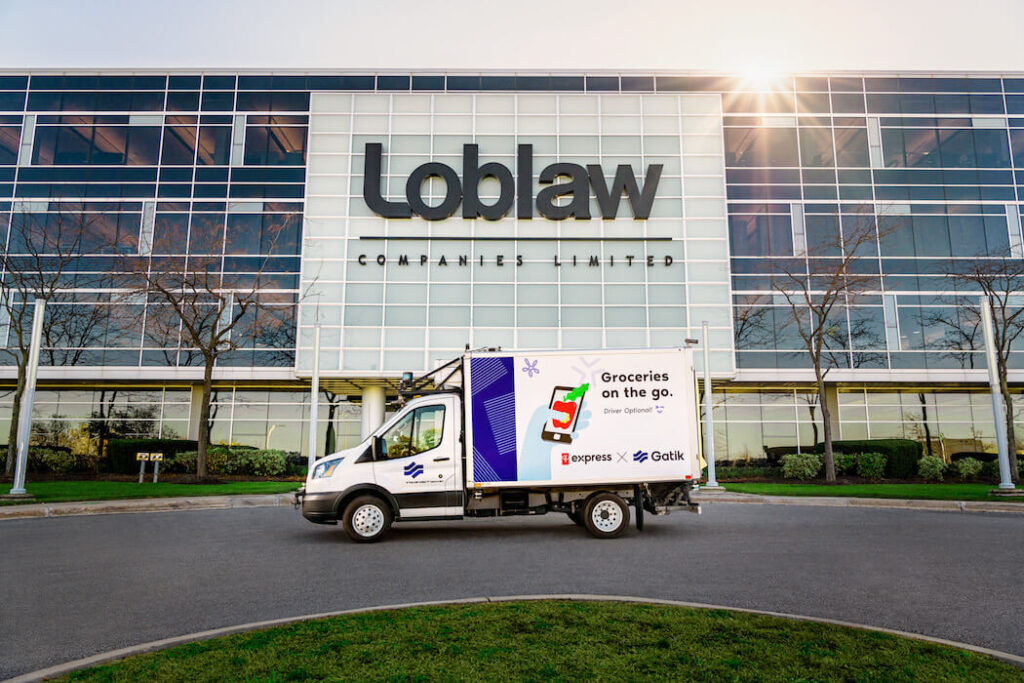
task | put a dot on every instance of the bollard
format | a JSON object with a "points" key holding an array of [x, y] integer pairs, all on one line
{"points": [[156, 458], [142, 458]]}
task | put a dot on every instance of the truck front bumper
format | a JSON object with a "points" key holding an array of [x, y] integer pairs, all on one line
{"points": [[318, 508]]}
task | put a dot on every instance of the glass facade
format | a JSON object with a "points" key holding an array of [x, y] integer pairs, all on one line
{"points": [[262, 175]]}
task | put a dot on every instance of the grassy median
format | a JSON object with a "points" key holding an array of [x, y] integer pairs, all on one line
{"points": [[906, 491], [63, 491], [557, 640]]}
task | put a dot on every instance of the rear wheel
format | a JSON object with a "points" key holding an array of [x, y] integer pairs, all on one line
{"points": [[606, 515], [366, 519]]}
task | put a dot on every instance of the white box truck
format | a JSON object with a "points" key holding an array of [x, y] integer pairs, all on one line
{"points": [[586, 433]]}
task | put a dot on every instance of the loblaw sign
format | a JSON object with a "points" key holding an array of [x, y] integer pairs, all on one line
{"points": [[578, 183]]}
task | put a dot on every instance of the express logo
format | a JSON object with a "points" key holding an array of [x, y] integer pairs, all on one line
{"points": [[640, 456], [413, 470], [565, 458]]}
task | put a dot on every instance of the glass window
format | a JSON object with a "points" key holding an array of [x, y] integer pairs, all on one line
{"points": [[9, 136], [991, 150], [214, 145], [816, 147], [179, 145], [419, 431], [761, 235], [761, 147], [851, 147], [275, 146]]}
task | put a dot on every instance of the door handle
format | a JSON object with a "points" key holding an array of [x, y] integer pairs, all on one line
{"points": [[441, 459]]}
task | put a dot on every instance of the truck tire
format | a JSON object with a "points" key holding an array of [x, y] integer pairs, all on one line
{"points": [[366, 519], [606, 515]]}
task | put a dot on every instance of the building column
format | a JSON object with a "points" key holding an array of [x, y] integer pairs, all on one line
{"points": [[195, 410], [373, 410], [832, 401]]}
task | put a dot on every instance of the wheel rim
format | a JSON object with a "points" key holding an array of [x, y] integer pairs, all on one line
{"points": [[606, 516], [368, 520]]}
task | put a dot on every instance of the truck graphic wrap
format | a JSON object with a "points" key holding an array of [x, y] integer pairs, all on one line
{"points": [[494, 418], [564, 417]]}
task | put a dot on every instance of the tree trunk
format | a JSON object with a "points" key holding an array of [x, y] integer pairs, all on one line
{"points": [[12, 435], [204, 421], [1011, 437], [826, 429]]}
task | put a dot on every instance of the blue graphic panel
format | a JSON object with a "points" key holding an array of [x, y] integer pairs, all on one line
{"points": [[494, 419]]}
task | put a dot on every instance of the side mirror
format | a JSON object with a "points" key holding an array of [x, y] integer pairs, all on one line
{"points": [[377, 447]]}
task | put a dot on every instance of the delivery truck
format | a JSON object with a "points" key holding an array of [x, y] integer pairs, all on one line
{"points": [[590, 434]]}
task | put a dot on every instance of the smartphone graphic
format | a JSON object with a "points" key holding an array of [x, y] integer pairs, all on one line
{"points": [[559, 429]]}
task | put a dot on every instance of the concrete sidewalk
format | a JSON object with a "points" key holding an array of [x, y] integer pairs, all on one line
{"points": [[102, 507]]}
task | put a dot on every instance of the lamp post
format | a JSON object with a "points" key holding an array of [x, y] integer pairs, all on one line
{"points": [[28, 399], [314, 398], [709, 422], [1005, 481]]}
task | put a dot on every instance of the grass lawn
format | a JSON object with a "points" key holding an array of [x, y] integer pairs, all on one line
{"points": [[556, 640], [918, 491], [57, 491]]}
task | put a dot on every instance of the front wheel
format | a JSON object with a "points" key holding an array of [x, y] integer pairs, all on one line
{"points": [[366, 519], [606, 515]]}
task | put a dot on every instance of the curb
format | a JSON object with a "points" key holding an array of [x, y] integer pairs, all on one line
{"points": [[882, 503], [153, 646], [105, 507]]}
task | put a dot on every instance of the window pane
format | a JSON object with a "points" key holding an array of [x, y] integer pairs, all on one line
{"points": [[760, 147], [179, 145], [214, 145], [816, 147]]}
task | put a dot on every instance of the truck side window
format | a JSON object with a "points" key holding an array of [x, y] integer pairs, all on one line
{"points": [[418, 431]]}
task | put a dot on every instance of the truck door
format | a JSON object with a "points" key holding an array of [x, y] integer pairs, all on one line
{"points": [[418, 461]]}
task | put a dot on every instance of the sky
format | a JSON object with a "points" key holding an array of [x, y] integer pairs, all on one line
{"points": [[547, 35]]}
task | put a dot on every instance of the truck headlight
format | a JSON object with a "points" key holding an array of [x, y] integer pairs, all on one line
{"points": [[325, 469]]}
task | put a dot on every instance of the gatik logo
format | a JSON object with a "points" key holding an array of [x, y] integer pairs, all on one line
{"points": [[658, 456], [413, 470], [565, 458], [518, 190]]}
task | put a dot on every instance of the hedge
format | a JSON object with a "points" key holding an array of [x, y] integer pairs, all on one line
{"points": [[901, 455], [121, 452]]}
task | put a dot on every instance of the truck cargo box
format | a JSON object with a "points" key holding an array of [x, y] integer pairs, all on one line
{"points": [[564, 418]]}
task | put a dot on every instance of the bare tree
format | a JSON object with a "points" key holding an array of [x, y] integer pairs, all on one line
{"points": [[38, 259], [195, 309], [817, 292], [1001, 280]]}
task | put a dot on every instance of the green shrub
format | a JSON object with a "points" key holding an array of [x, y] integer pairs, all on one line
{"points": [[871, 465], [257, 462], [901, 455], [232, 460], [967, 468], [800, 465], [51, 459], [845, 463], [931, 467], [990, 470], [121, 452]]}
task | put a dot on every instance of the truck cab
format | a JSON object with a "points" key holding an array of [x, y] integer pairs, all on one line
{"points": [[413, 463]]}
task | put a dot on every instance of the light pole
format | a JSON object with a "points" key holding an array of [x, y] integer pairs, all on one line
{"points": [[314, 397], [28, 399], [1005, 480], [709, 422]]}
